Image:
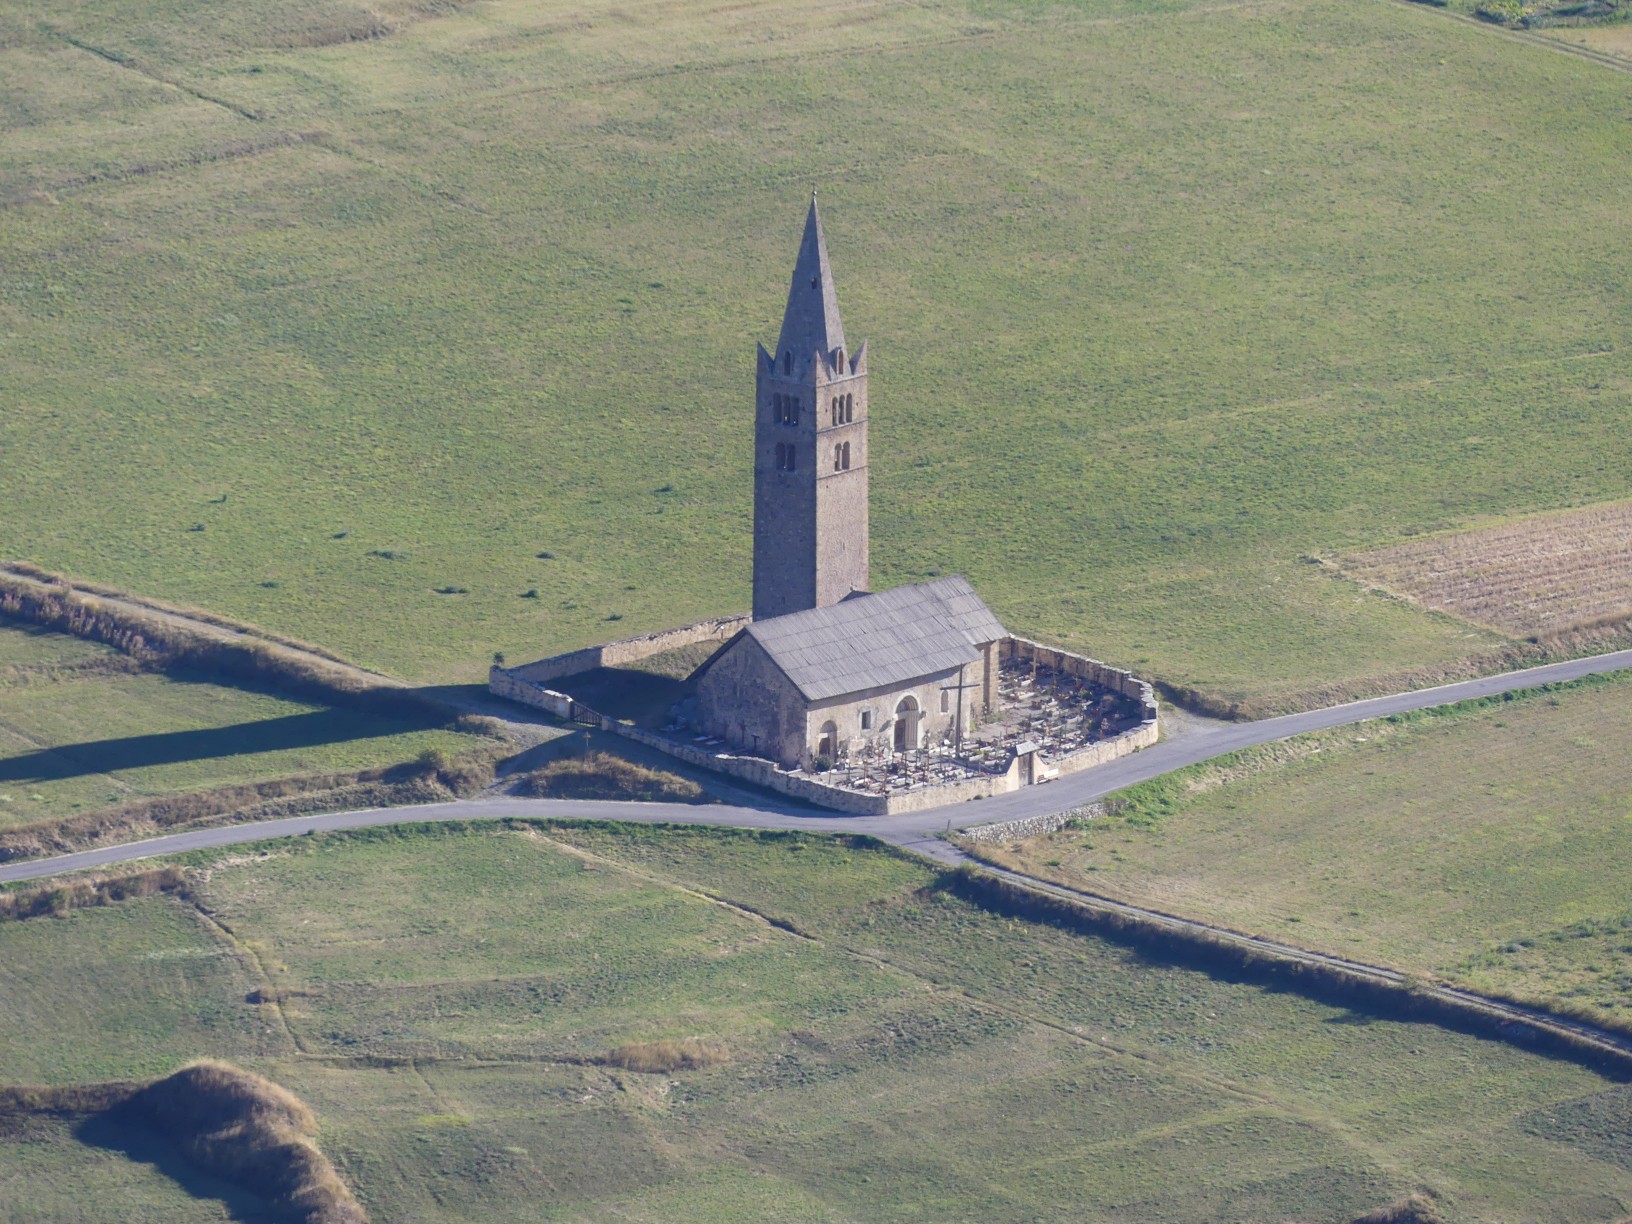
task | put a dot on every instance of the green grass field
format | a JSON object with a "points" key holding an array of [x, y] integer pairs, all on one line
{"points": [[1163, 296], [76, 739], [896, 1054], [1479, 846]]}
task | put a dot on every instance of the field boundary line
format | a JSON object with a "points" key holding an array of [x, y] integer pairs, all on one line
{"points": [[818, 54], [1603, 59], [269, 993], [693, 891], [141, 70]]}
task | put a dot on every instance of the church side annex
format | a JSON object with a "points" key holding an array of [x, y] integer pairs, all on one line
{"points": [[863, 701]]}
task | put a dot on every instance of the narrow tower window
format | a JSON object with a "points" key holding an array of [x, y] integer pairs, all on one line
{"points": [[787, 361], [838, 458]]}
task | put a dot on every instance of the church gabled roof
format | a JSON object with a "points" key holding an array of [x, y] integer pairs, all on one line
{"points": [[870, 641], [811, 322]]}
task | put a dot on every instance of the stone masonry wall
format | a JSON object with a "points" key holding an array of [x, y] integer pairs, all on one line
{"points": [[1013, 830], [746, 700], [510, 685], [1021, 650], [629, 650]]}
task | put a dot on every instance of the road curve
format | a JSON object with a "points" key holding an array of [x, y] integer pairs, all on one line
{"points": [[916, 831]]}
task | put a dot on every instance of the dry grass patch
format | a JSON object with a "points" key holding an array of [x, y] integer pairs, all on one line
{"points": [[600, 775], [56, 899], [685, 1054], [1544, 578]]}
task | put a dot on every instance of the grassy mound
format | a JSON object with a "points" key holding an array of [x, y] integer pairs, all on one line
{"points": [[239, 1126], [245, 1128], [599, 775]]}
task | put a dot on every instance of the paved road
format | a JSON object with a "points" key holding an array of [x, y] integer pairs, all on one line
{"points": [[916, 831]]}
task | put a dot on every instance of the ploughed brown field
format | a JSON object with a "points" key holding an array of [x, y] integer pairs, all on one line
{"points": [[1540, 577]]}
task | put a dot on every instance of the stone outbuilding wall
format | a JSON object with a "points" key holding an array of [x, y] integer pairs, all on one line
{"points": [[627, 650]]}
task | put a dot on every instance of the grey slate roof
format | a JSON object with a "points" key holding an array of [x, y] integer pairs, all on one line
{"points": [[811, 322], [869, 641]]}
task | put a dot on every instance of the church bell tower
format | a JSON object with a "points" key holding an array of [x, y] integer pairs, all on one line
{"points": [[810, 448]]}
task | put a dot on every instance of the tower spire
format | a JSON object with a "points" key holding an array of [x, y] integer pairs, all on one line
{"points": [[811, 322], [810, 449]]}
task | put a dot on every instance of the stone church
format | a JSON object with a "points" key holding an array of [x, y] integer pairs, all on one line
{"points": [[826, 670]]}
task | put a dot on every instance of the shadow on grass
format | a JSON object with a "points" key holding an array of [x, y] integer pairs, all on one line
{"points": [[117, 1130], [310, 730], [1356, 1000], [627, 693]]}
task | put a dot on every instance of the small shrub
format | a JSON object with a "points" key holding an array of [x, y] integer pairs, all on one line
{"points": [[1413, 1209], [452, 590], [685, 1054], [434, 760]]}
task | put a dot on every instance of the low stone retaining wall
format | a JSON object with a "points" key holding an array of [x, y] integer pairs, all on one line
{"points": [[1014, 830], [510, 685], [526, 685], [1142, 736], [629, 650]]}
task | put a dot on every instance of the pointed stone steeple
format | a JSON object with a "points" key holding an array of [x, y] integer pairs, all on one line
{"points": [[811, 322], [810, 449]]}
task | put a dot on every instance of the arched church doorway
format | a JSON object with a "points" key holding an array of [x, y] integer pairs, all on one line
{"points": [[827, 745], [907, 717]]}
